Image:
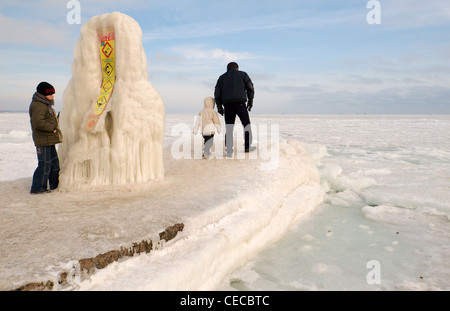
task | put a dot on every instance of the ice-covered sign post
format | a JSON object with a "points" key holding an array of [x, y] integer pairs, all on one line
{"points": [[112, 117]]}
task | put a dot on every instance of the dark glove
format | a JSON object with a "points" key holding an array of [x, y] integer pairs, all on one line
{"points": [[250, 104], [220, 109]]}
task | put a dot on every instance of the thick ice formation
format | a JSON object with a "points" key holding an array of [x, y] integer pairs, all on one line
{"points": [[126, 144]]}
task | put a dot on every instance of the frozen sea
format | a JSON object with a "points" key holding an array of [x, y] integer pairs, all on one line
{"points": [[386, 212], [384, 222]]}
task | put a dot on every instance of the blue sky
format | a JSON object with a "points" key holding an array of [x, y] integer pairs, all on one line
{"points": [[319, 57]]}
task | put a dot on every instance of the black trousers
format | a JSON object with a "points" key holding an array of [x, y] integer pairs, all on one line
{"points": [[231, 111], [209, 141]]}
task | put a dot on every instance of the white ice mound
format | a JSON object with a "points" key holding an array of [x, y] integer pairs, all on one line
{"points": [[126, 144], [228, 220]]}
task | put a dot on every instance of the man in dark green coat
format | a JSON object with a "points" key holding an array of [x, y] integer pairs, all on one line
{"points": [[46, 134]]}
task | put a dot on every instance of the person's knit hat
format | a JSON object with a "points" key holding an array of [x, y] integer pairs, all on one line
{"points": [[45, 89]]}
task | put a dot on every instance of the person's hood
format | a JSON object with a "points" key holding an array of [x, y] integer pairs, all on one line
{"points": [[37, 97], [209, 102]]}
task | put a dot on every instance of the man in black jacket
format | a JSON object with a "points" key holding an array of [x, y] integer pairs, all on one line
{"points": [[232, 91]]}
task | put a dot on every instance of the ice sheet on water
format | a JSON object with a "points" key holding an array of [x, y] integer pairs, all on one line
{"points": [[387, 200]]}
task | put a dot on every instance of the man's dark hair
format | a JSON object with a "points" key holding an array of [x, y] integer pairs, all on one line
{"points": [[232, 65]]}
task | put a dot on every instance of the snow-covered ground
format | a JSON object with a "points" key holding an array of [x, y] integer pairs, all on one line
{"points": [[231, 210], [383, 224]]}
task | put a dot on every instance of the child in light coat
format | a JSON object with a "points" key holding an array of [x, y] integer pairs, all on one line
{"points": [[209, 120]]}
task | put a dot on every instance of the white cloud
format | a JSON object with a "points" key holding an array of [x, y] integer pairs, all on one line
{"points": [[229, 25], [415, 13], [195, 58], [216, 54], [32, 32]]}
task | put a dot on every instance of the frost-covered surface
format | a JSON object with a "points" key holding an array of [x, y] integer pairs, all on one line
{"points": [[387, 183], [231, 209], [388, 199], [126, 145]]}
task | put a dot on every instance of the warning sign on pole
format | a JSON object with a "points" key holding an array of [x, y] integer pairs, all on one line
{"points": [[107, 59]]}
